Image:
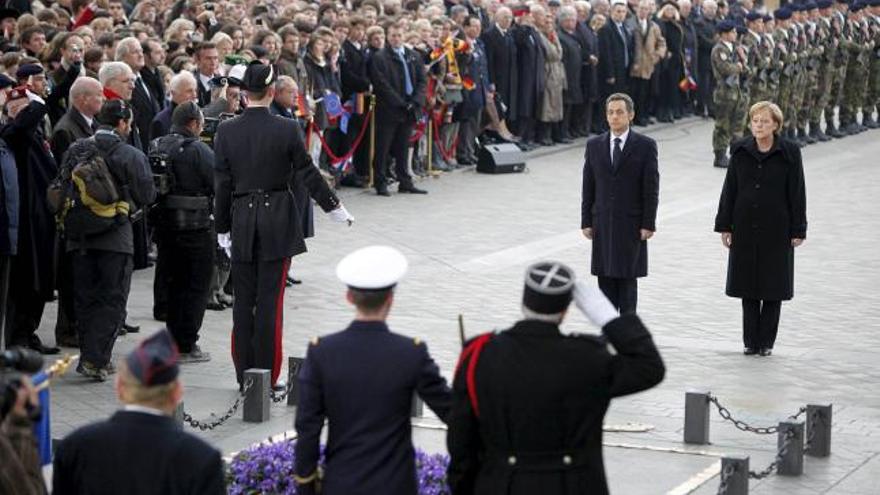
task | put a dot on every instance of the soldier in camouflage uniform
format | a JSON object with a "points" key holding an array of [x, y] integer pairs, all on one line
{"points": [[774, 63], [809, 112], [746, 79], [801, 76], [828, 41], [839, 64], [786, 58], [757, 57], [727, 69], [873, 100], [855, 40]]}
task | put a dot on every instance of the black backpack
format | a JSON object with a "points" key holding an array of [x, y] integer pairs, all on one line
{"points": [[85, 197]]}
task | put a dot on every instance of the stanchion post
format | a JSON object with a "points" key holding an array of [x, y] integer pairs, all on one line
{"points": [[696, 417], [818, 430], [737, 479], [792, 463], [418, 407], [294, 365], [256, 400], [372, 139], [178, 414]]}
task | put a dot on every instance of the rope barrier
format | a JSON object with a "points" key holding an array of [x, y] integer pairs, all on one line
{"points": [[335, 160]]}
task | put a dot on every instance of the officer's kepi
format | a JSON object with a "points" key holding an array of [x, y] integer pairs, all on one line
{"points": [[548, 287], [373, 268], [258, 77]]}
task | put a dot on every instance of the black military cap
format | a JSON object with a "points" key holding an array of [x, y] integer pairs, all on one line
{"points": [[754, 16], [741, 30], [5, 81], [725, 26], [824, 4], [768, 18], [782, 14], [7, 12], [28, 70], [154, 361], [856, 7], [548, 287], [874, 3], [258, 76]]}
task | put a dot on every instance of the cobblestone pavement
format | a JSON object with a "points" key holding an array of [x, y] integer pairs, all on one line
{"points": [[469, 242]]}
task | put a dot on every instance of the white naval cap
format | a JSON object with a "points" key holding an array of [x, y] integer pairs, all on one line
{"points": [[372, 268], [618, 2]]}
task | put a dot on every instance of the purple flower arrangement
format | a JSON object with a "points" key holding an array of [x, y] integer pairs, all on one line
{"points": [[268, 468]]}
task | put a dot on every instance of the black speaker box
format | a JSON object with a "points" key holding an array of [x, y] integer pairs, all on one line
{"points": [[501, 158]]}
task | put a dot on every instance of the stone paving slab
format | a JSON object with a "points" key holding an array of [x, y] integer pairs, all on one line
{"points": [[471, 238]]}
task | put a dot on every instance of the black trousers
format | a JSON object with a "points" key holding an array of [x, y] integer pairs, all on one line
{"points": [[524, 127], [65, 323], [361, 158], [161, 279], [641, 91], [189, 256], [760, 323], [24, 304], [5, 262], [392, 141], [622, 292], [101, 278], [257, 315]]}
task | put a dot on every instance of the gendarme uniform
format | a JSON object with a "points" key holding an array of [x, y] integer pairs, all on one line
{"points": [[361, 381], [528, 402], [872, 102], [257, 157], [727, 95]]}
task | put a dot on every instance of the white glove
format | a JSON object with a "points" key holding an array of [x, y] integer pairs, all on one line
{"points": [[35, 97], [224, 240], [341, 215], [593, 303]]}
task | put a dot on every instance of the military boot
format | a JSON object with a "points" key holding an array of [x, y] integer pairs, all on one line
{"points": [[870, 122], [817, 134], [835, 132], [792, 136], [851, 129], [720, 159], [803, 136]]}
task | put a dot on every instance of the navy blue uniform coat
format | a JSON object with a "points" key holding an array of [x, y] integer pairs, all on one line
{"points": [[542, 396], [362, 380], [616, 205], [136, 453]]}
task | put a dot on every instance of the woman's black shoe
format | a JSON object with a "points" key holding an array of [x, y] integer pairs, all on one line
{"points": [[766, 352], [750, 351]]}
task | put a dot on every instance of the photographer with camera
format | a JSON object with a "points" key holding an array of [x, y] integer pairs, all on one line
{"points": [[102, 263], [184, 170], [20, 471]]}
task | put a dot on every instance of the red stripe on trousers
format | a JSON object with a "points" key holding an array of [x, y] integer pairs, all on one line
{"points": [[279, 322]]}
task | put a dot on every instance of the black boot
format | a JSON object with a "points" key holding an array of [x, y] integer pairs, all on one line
{"points": [[835, 132], [802, 134], [870, 122], [720, 159], [817, 134]]}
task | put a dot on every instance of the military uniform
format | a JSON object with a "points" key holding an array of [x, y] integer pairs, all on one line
{"points": [[838, 72], [362, 380], [872, 102], [528, 402], [829, 43], [726, 97], [787, 58], [257, 157], [860, 48]]}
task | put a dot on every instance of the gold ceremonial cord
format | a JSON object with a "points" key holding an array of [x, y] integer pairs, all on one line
{"points": [[372, 138], [59, 368], [305, 480]]}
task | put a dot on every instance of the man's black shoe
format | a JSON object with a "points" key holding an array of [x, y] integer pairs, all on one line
{"points": [[35, 344], [411, 189], [129, 328], [750, 351], [293, 281], [766, 352], [279, 387], [213, 305], [382, 190]]}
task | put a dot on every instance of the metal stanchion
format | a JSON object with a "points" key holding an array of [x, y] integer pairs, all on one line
{"points": [[417, 409], [372, 139], [256, 399], [734, 475], [790, 442], [696, 417], [294, 365], [818, 430]]}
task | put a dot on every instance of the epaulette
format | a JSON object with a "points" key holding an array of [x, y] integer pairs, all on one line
{"points": [[314, 340]]}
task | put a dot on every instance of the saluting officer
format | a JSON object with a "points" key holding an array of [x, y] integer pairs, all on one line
{"points": [[362, 381], [257, 157], [528, 402]]}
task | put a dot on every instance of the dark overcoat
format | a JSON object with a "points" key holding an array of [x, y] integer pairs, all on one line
{"points": [[572, 59], [256, 157], [763, 203], [70, 127], [477, 68], [615, 57], [388, 75], [362, 381], [589, 74], [501, 56], [541, 397], [530, 66], [616, 205], [136, 453]]}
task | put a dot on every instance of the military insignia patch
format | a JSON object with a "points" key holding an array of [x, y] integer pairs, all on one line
{"points": [[724, 57]]}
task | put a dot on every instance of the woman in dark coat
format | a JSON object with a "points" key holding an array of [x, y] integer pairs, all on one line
{"points": [[672, 68], [762, 218]]}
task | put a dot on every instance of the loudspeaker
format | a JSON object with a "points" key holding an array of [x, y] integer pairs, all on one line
{"points": [[501, 158]]}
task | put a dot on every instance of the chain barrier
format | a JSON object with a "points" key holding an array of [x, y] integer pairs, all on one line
{"points": [[783, 450], [742, 425], [282, 396], [210, 425], [725, 479]]}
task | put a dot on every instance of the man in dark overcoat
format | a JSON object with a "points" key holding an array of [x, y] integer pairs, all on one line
{"points": [[589, 41], [502, 61], [140, 450], [32, 272], [616, 51], [528, 402], [362, 380], [621, 186], [256, 157], [530, 82], [572, 59], [469, 112]]}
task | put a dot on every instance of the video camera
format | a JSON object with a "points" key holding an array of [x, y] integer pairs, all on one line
{"points": [[210, 127], [13, 363], [159, 164]]}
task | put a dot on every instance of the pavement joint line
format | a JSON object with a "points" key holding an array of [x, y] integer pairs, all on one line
{"points": [[623, 428], [697, 480], [853, 470]]}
